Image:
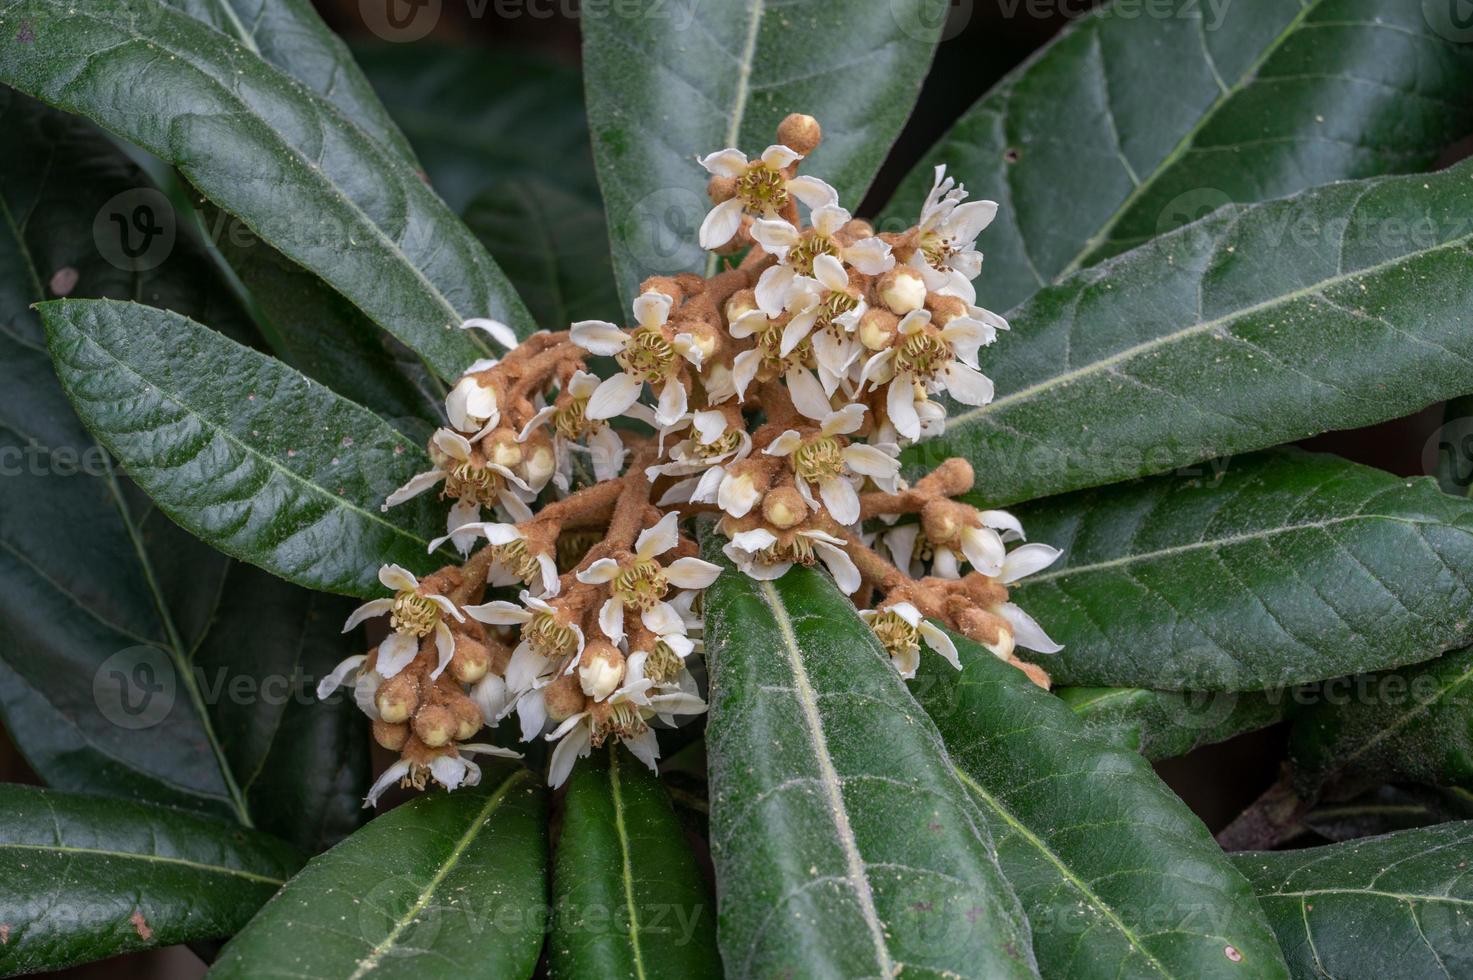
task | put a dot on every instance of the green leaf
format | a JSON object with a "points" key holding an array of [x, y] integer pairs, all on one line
{"points": [[1118, 877], [554, 247], [1341, 307], [628, 892], [843, 843], [290, 35], [1413, 725], [1386, 809], [82, 878], [1093, 148], [260, 145], [1166, 724], [1289, 568], [447, 885], [241, 450], [672, 81], [1392, 906], [478, 121], [111, 611]]}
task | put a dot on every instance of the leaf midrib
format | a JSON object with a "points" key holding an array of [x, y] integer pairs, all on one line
{"points": [[1204, 326], [322, 105], [218, 869], [1102, 236], [626, 870], [745, 62], [477, 824], [828, 779], [338, 502], [1053, 858], [1225, 542]]}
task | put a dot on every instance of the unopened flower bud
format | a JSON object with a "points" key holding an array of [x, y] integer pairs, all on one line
{"points": [[564, 698], [944, 309], [540, 466], [601, 670], [800, 133], [391, 737], [902, 290], [877, 329], [468, 718], [501, 448], [471, 659], [742, 302], [784, 508], [435, 725], [397, 698]]}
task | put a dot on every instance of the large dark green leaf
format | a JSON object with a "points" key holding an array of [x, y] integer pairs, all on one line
{"points": [[111, 615], [1392, 906], [240, 449], [628, 892], [669, 82], [1118, 877], [552, 245], [447, 885], [260, 145], [1343, 306], [844, 844], [1290, 568], [82, 878], [478, 119], [290, 35], [1386, 809], [1127, 126], [1414, 724], [1166, 724]]}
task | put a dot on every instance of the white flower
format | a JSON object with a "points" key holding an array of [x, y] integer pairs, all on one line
{"points": [[761, 190], [646, 354], [712, 445], [924, 359], [824, 308], [450, 771], [824, 459], [639, 582], [474, 481], [365, 684], [983, 546], [413, 613], [1020, 562], [948, 231], [512, 562], [901, 628], [629, 711], [570, 423], [762, 556], [796, 250]]}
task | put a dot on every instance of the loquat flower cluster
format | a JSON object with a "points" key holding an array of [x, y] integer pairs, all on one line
{"points": [[775, 396]]}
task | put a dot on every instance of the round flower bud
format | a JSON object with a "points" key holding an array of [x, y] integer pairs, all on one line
{"points": [[742, 301], [944, 309], [391, 737], [501, 447], [397, 698], [902, 290], [564, 698], [800, 133], [784, 508], [471, 659], [877, 329], [540, 466], [468, 718], [435, 725], [600, 670]]}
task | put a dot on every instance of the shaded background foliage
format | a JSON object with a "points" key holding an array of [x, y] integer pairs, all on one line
{"points": [[478, 88]]}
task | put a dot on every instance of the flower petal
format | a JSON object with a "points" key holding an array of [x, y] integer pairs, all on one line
{"points": [[601, 571], [660, 538], [846, 575], [339, 675], [1026, 631], [500, 332], [721, 224], [1026, 560], [444, 648], [368, 610], [395, 653], [613, 397], [498, 613], [729, 162], [599, 337], [840, 500], [611, 620], [807, 394]]}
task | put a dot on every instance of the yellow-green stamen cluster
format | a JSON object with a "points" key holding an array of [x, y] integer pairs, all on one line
{"points": [[762, 189], [896, 635], [641, 585], [820, 459], [549, 638], [648, 356], [413, 614], [922, 354]]}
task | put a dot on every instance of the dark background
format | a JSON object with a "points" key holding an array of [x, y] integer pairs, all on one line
{"points": [[984, 40]]}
